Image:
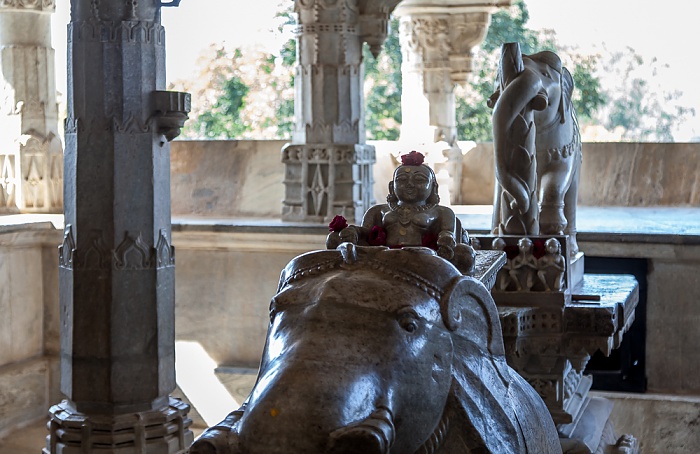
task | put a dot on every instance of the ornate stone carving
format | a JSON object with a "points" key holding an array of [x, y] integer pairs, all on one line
{"points": [[117, 303], [433, 352], [133, 253], [321, 181], [330, 35], [164, 429], [9, 181], [132, 31], [96, 256], [30, 123], [467, 30], [537, 168], [66, 250], [412, 217], [36, 5], [165, 253]]}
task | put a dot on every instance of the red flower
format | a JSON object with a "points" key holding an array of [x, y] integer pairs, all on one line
{"points": [[377, 236], [337, 224], [511, 251], [430, 240], [538, 249], [412, 159]]}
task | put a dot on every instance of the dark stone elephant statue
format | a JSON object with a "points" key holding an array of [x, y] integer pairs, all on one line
{"points": [[387, 351], [537, 146]]}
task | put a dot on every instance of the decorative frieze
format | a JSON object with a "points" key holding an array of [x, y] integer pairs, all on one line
{"points": [[48, 6], [322, 181], [132, 253], [127, 31]]}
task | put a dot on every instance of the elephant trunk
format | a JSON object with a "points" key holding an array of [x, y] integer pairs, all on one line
{"points": [[521, 93], [374, 435]]}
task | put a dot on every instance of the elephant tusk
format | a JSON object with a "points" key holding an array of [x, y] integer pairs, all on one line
{"points": [[374, 435]]}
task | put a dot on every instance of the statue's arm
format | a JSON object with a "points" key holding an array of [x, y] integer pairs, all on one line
{"points": [[447, 224]]}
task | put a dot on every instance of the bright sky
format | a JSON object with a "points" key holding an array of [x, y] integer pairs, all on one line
{"points": [[664, 29]]}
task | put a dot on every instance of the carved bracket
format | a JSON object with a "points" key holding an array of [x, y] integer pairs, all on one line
{"points": [[171, 109]]}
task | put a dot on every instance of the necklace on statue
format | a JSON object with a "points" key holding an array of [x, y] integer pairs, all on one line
{"points": [[406, 212]]}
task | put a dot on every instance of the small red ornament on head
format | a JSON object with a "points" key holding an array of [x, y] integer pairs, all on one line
{"points": [[413, 158]]}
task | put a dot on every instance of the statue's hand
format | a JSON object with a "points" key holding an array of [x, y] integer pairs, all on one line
{"points": [[350, 234], [446, 245]]}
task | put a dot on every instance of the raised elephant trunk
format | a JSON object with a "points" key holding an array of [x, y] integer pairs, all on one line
{"points": [[520, 93], [374, 435]]}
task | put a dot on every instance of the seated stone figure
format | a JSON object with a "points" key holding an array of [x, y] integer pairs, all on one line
{"points": [[383, 351], [412, 217]]}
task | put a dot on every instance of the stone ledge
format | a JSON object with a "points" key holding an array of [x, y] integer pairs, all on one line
{"points": [[663, 423], [23, 393]]}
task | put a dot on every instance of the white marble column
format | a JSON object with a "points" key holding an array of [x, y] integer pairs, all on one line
{"points": [[437, 39], [117, 265], [31, 154], [328, 165]]}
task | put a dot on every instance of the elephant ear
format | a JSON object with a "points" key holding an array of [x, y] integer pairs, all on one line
{"points": [[567, 90], [469, 310]]}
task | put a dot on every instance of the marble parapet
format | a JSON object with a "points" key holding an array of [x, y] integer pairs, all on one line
{"points": [[246, 178], [613, 174]]}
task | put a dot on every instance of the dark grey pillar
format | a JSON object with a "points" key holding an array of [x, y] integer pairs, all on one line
{"points": [[117, 266]]}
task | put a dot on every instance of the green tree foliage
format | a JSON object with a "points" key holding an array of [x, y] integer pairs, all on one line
{"points": [[223, 120]]}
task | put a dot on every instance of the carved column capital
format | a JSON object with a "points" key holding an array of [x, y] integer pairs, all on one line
{"points": [[467, 30], [48, 6]]}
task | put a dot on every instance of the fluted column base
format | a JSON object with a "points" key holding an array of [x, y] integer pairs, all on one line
{"points": [[162, 431]]}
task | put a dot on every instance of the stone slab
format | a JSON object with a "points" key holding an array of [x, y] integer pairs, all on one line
{"points": [[23, 393], [663, 423], [227, 178], [617, 174]]}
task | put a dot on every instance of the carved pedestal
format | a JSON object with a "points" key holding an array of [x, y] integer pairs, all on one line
{"points": [[165, 430], [31, 153], [550, 334], [326, 180]]}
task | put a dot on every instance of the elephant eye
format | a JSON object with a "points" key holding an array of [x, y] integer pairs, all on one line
{"points": [[546, 74], [408, 321]]}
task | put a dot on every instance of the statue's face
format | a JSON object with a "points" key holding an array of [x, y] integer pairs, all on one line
{"points": [[525, 245], [552, 247], [413, 184]]}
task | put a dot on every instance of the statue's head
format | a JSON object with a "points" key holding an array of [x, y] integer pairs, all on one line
{"points": [[413, 182], [552, 246], [525, 245], [561, 84]]}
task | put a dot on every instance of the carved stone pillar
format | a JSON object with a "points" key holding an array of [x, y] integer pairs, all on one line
{"points": [[117, 265], [437, 38], [328, 165], [31, 154]]}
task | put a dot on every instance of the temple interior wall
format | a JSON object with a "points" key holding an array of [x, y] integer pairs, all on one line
{"points": [[226, 271]]}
